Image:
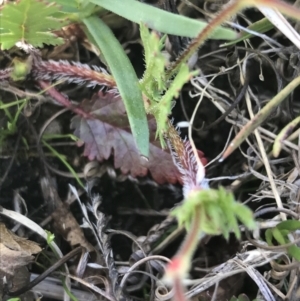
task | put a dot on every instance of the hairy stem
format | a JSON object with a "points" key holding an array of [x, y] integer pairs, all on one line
{"points": [[178, 289], [192, 239], [72, 72], [231, 9], [60, 98], [180, 264]]}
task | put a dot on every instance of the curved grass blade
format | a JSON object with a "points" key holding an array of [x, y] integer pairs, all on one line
{"points": [[260, 117], [126, 79], [282, 24], [284, 133], [162, 20], [260, 26]]}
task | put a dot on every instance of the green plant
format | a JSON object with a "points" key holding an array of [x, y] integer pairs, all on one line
{"points": [[61, 157], [35, 32], [241, 297], [281, 232], [11, 126], [204, 211]]}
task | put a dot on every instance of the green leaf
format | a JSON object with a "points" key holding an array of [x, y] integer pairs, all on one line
{"points": [[50, 237], [244, 214], [294, 251], [63, 159], [162, 110], [231, 223], [30, 22], [218, 209], [241, 297], [278, 236], [260, 26], [291, 225], [75, 10], [126, 79], [161, 20], [154, 79], [269, 237]]}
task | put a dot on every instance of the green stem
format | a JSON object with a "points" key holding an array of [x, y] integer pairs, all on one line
{"points": [[181, 262], [192, 239]]}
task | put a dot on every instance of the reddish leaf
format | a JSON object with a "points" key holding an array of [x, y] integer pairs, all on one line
{"points": [[109, 133]]}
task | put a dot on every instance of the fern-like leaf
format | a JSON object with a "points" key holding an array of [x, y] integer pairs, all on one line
{"points": [[30, 22]]}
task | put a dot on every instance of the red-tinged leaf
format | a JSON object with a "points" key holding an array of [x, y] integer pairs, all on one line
{"points": [[109, 133], [192, 170]]}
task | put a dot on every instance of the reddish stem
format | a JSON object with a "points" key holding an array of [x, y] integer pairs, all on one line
{"points": [[60, 98], [71, 72], [192, 239], [178, 290], [177, 269], [228, 11]]}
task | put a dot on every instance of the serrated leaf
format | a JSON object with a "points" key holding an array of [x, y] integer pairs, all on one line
{"points": [[29, 22], [245, 215], [154, 79], [218, 209], [162, 110], [231, 223], [109, 134]]}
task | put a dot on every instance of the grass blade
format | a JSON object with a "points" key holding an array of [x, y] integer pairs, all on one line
{"points": [[126, 79], [161, 20], [260, 117]]}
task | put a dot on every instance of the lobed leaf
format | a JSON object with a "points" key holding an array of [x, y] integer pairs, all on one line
{"points": [[162, 110], [109, 134], [219, 212], [29, 22], [154, 81]]}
